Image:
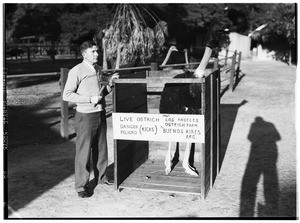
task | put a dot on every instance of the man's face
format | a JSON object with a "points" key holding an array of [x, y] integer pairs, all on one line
{"points": [[91, 54]]}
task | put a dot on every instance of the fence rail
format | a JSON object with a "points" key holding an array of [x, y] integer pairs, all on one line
{"points": [[33, 75], [233, 67], [39, 50]]}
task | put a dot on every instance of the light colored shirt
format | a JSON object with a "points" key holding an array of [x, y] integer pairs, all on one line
{"points": [[90, 65], [85, 81]]}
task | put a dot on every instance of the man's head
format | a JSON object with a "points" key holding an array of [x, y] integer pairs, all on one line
{"points": [[89, 51]]}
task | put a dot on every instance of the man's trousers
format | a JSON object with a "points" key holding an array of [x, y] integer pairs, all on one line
{"points": [[90, 140]]}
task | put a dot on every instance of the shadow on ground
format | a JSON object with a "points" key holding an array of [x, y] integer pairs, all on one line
{"points": [[30, 81], [228, 113], [35, 170], [38, 158], [225, 82], [29, 125], [262, 162]]}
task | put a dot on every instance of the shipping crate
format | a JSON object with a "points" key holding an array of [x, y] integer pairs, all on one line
{"points": [[135, 167]]}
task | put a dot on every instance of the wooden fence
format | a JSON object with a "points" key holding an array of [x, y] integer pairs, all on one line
{"points": [[233, 66], [40, 51]]}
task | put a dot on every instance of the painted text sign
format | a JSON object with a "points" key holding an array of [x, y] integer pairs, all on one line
{"points": [[158, 127]]}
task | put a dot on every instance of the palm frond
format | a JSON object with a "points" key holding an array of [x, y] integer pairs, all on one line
{"points": [[129, 28]]}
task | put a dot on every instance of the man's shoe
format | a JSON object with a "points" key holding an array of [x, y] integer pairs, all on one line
{"points": [[107, 182], [83, 194]]}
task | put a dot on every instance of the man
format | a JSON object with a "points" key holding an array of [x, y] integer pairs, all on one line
{"points": [[86, 88]]}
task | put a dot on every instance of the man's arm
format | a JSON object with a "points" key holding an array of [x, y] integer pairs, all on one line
{"points": [[110, 84], [69, 93]]}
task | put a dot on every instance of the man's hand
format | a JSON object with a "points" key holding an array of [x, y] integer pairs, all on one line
{"points": [[114, 76], [95, 99]]}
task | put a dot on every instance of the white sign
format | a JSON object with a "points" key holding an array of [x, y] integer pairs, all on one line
{"points": [[158, 127]]}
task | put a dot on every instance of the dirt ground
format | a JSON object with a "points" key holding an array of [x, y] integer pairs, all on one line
{"points": [[257, 177]]}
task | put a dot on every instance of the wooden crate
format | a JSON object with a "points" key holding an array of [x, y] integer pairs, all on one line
{"points": [[135, 168]]}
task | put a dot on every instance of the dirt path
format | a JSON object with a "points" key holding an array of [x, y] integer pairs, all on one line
{"points": [[41, 177]]}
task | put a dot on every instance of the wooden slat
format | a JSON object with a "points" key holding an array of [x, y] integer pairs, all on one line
{"points": [[212, 106], [214, 130], [33, 75], [207, 148], [159, 177], [126, 68], [207, 172], [183, 64], [130, 91], [165, 188], [202, 150], [153, 101], [129, 156], [157, 165], [151, 176], [207, 104], [153, 80], [153, 110], [165, 73], [131, 74], [126, 106], [124, 144], [214, 155], [218, 120], [131, 98]]}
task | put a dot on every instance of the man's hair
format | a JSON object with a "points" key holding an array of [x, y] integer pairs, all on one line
{"points": [[87, 44]]}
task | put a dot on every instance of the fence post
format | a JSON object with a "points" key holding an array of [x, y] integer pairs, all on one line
{"points": [[28, 53], [238, 67], [232, 71], [64, 105], [153, 66], [216, 63], [226, 56]]}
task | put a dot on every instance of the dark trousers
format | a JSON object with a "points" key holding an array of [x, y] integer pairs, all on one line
{"points": [[90, 140]]}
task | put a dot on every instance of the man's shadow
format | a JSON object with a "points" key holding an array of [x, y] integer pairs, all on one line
{"points": [[262, 162]]}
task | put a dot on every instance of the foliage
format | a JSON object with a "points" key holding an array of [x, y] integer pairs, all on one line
{"points": [[129, 29], [78, 26], [36, 19], [244, 17], [67, 22], [9, 14], [279, 17], [200, 15], [281, 22], [280, 34], [186, 23]]}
